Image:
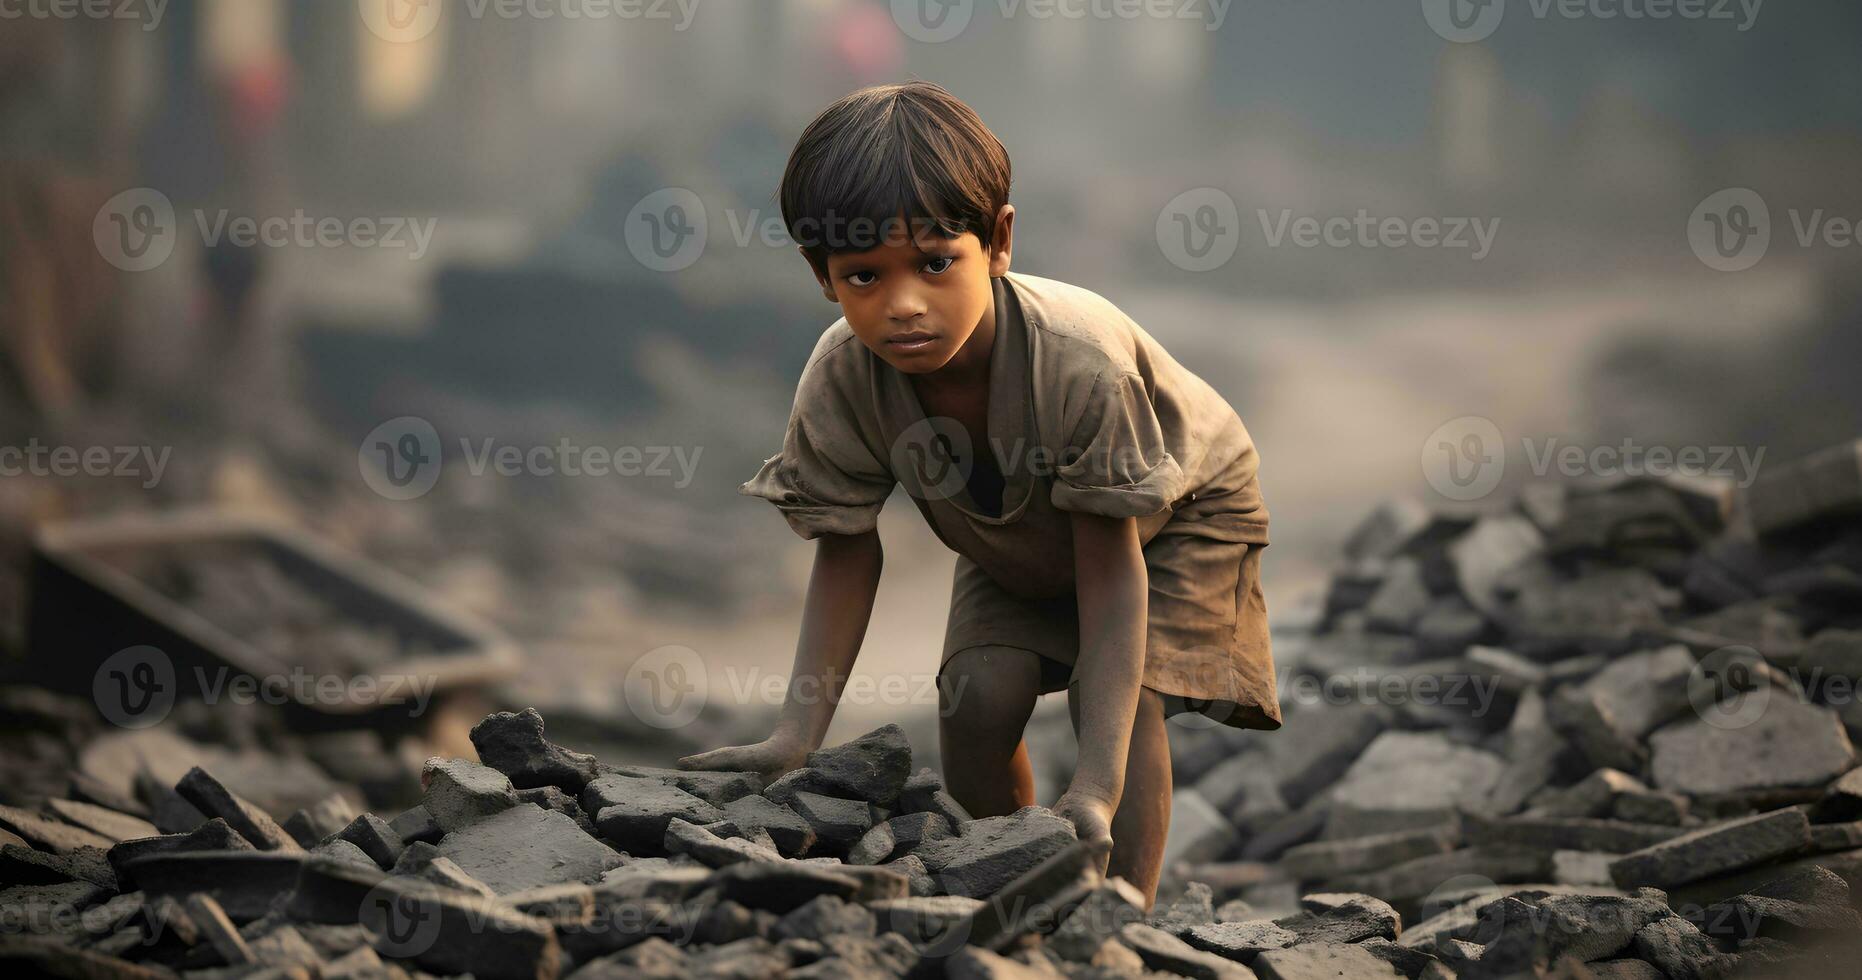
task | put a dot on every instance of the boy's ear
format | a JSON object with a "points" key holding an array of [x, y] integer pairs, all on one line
{"points": [[821, 274], [1002, 241]]}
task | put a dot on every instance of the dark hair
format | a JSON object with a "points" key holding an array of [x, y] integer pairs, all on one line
{"points": [[889, 150]]}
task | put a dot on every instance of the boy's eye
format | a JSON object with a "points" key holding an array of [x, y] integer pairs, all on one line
{"points": [[940, 263], [861, 278]]}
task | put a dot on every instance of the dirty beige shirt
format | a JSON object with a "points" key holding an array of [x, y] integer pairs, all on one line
{"points": [[1086, 413]]}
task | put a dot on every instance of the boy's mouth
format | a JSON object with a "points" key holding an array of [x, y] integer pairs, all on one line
{"points": [[912, 341]]}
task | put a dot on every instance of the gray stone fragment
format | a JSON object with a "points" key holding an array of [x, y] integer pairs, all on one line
{"points": [[1413, 779], [1162, 951], [1240, 941], [838, 823], [1342, 917], [217, 930], [310, 825], [781, 886], [526, 846], [21, 865], [924, 792], [1492, 547], [113, 824], [926, 919], [792, 834], [1326, 859], [1789, 744], [1681, 951], [716, 788], [459, 792], [685, 837], [1714, 849], [337, 849], [416, 823], [513, 743], [376, 839], [211, 798], [824, 916], [1321, 961], [989, 853], [634, 812], [898, 836]]}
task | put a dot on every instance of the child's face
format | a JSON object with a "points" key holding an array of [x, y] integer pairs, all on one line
{"points": [[915, 302]]}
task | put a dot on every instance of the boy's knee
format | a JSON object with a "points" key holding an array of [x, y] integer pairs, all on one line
{"points": [[988, 682]]}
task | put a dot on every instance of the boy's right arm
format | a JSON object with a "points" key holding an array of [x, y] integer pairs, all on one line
{"points": [[834, 619]]}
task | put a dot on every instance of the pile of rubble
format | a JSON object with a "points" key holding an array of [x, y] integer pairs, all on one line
{"points": [[1610, 726], [1603, 733]]}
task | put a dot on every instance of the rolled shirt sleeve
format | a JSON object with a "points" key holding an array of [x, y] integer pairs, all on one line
{"points": [[1115, 462], [826, 480]]}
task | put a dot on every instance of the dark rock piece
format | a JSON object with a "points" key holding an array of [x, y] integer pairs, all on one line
{"points": [[513, 744], [376, 839], [527, 846], [989, 853], [1714, 849], [792, 834], [1681, 951], [838, 823], [416, 823], [25, 866], [897, 836], [715, 788], [1322, 961], [924, 792], [117, 826], [310, 825], [1795, 907], [337, 849], [47, 834], [208, 796], [218, 930], [685, 837], [1581, 717], [873, 767], [1842, 799], [780, 886], [929, 920], [1194, 907], [553, 798], [214, 835], [445, 931], [459, 792], [1162, 951], [243, 882], [634, 812], [1789, 744], [1408, 962], [1240, 941], [1342, 917], [824, 916]]}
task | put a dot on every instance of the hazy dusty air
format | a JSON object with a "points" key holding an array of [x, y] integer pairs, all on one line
{"points": [[373, 371]]}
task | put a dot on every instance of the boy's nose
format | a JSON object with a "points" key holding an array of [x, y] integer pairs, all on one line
{"points": [[905, 305]]}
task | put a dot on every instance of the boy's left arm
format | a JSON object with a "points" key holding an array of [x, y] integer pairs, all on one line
{"points": [[1112, 587]]}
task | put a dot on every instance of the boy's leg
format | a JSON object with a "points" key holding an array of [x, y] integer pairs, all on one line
{"points": [[1142, 819], [985, 696]]}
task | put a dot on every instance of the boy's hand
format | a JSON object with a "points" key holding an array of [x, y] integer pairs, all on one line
{"points": [[1092, 821], [770, 758]]}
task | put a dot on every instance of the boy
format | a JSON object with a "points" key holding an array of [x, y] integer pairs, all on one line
{"points": [[1101, 498]]}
